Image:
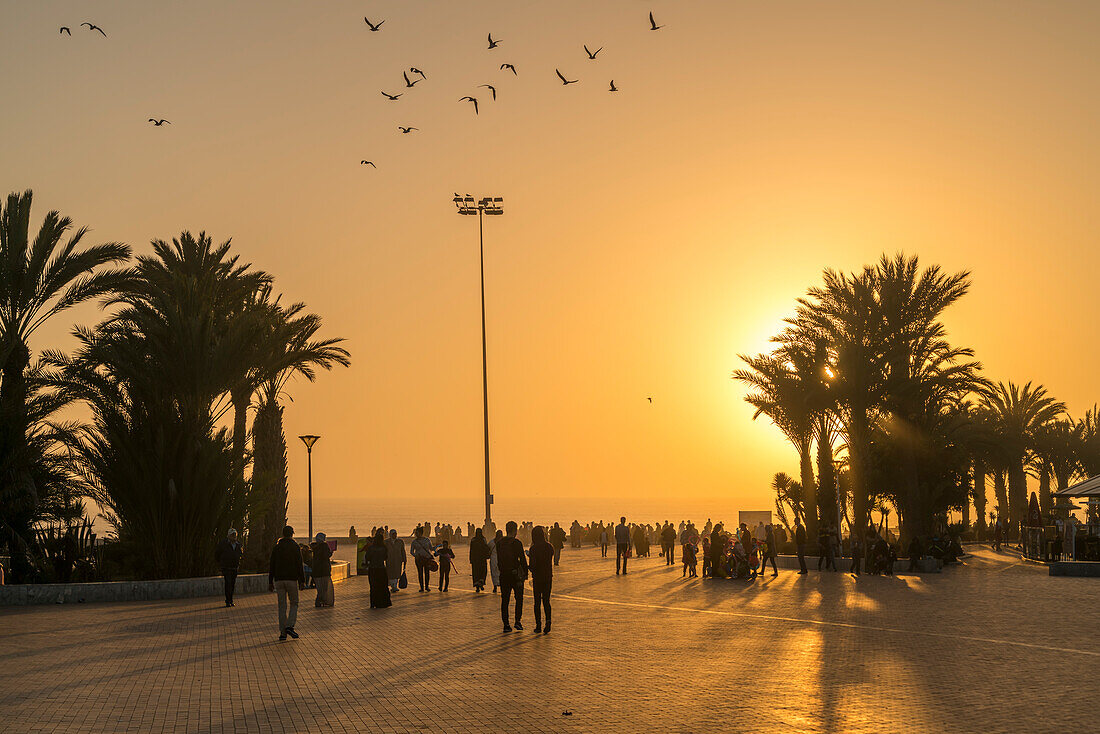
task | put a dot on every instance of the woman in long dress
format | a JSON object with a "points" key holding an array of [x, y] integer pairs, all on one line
{"points": [[494, 565], [377, 554], [479, 555]]}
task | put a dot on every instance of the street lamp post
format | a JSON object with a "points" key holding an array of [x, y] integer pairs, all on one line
{"points": [[492, 206], [309, 441]]}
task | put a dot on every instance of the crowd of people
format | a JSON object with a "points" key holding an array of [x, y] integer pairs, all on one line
{"points": [[525, 551]]}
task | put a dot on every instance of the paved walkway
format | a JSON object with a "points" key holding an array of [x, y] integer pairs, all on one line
{"points": [[993, 646]]}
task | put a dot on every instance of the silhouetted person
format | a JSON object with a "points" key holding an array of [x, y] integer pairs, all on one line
{"points": [[770, 550], [513, 573], [716, 548], [668, 544], [603, 542], [557, 541], [422, 552], [286, 577], [622, 545], [395, 560], [542, 554], [800, 545], [377, 556], [446, 556], [322, 572], [916, 552], [228, 555], [479, 559]]}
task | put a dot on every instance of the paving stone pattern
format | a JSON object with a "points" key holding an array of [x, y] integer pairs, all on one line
{"points": [[993, 646]]}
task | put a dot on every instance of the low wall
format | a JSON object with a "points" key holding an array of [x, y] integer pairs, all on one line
{"points": [[1075, 568], [251, 583]]}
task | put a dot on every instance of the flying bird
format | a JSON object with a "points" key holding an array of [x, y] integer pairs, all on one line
{"points": [[406, 130], [492, 89], [509, 67], [157, 122], [368, 163], [652, 23], [374, 27], [592, 55], [615, 89], [564, 81], [414, 70], [391, 97], [408, 83], [64, 29], [470, 99], [492, 44], [94, 27], [650, 399]]}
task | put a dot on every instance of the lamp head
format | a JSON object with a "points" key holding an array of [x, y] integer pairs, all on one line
{"points": [[309, 441]]}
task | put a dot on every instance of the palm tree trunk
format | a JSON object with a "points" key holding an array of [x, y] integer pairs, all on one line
{"points": [[979, 497], [1045, 499], [809, 489], [858, 454], [241, 398], [1001, 493], [1017, 493], [267, 512], [13, 422], [826, 473], [968, 480]]}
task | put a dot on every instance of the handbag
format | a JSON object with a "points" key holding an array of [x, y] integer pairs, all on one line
{"points": [[403, 582], [432, 565]]}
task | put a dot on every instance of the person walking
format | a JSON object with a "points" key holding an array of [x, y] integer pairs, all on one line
{"points": [[800, 546], [542, 578], [494, 560], [479, 559], [446, 557], [378, 556], [668, 543], [622, 545], [422, 552], [396, 561], [603, 542], [856, 547], [771, 548], [228, 555], [513, 574], [322, 572], [286, 577], [557, 540]]}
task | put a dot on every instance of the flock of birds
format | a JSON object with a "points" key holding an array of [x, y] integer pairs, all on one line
{"points": [[506, 67], [419, 75]]}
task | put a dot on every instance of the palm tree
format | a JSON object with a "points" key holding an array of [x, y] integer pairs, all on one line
{"points": [[38, 279], [844, 314], [155, 376], [1021, 413], [788, 495], [292, 350], [781, 393]]}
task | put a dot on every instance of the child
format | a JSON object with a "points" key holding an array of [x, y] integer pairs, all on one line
{"points": [[690, 561], [706, 556], [446, 555]]}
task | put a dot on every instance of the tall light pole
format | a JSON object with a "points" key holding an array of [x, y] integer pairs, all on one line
{"points": [[492, 206], [309, 441]]}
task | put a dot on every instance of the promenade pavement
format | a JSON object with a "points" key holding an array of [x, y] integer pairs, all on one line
{"points": [[994, 646]]}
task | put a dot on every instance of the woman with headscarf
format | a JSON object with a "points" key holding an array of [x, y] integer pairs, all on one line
{"points": [[395, 560], [479, 555], [377, 555], [494, 565]]}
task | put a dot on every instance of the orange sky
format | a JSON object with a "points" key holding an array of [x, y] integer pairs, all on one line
{"points": [[650, 236]]}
